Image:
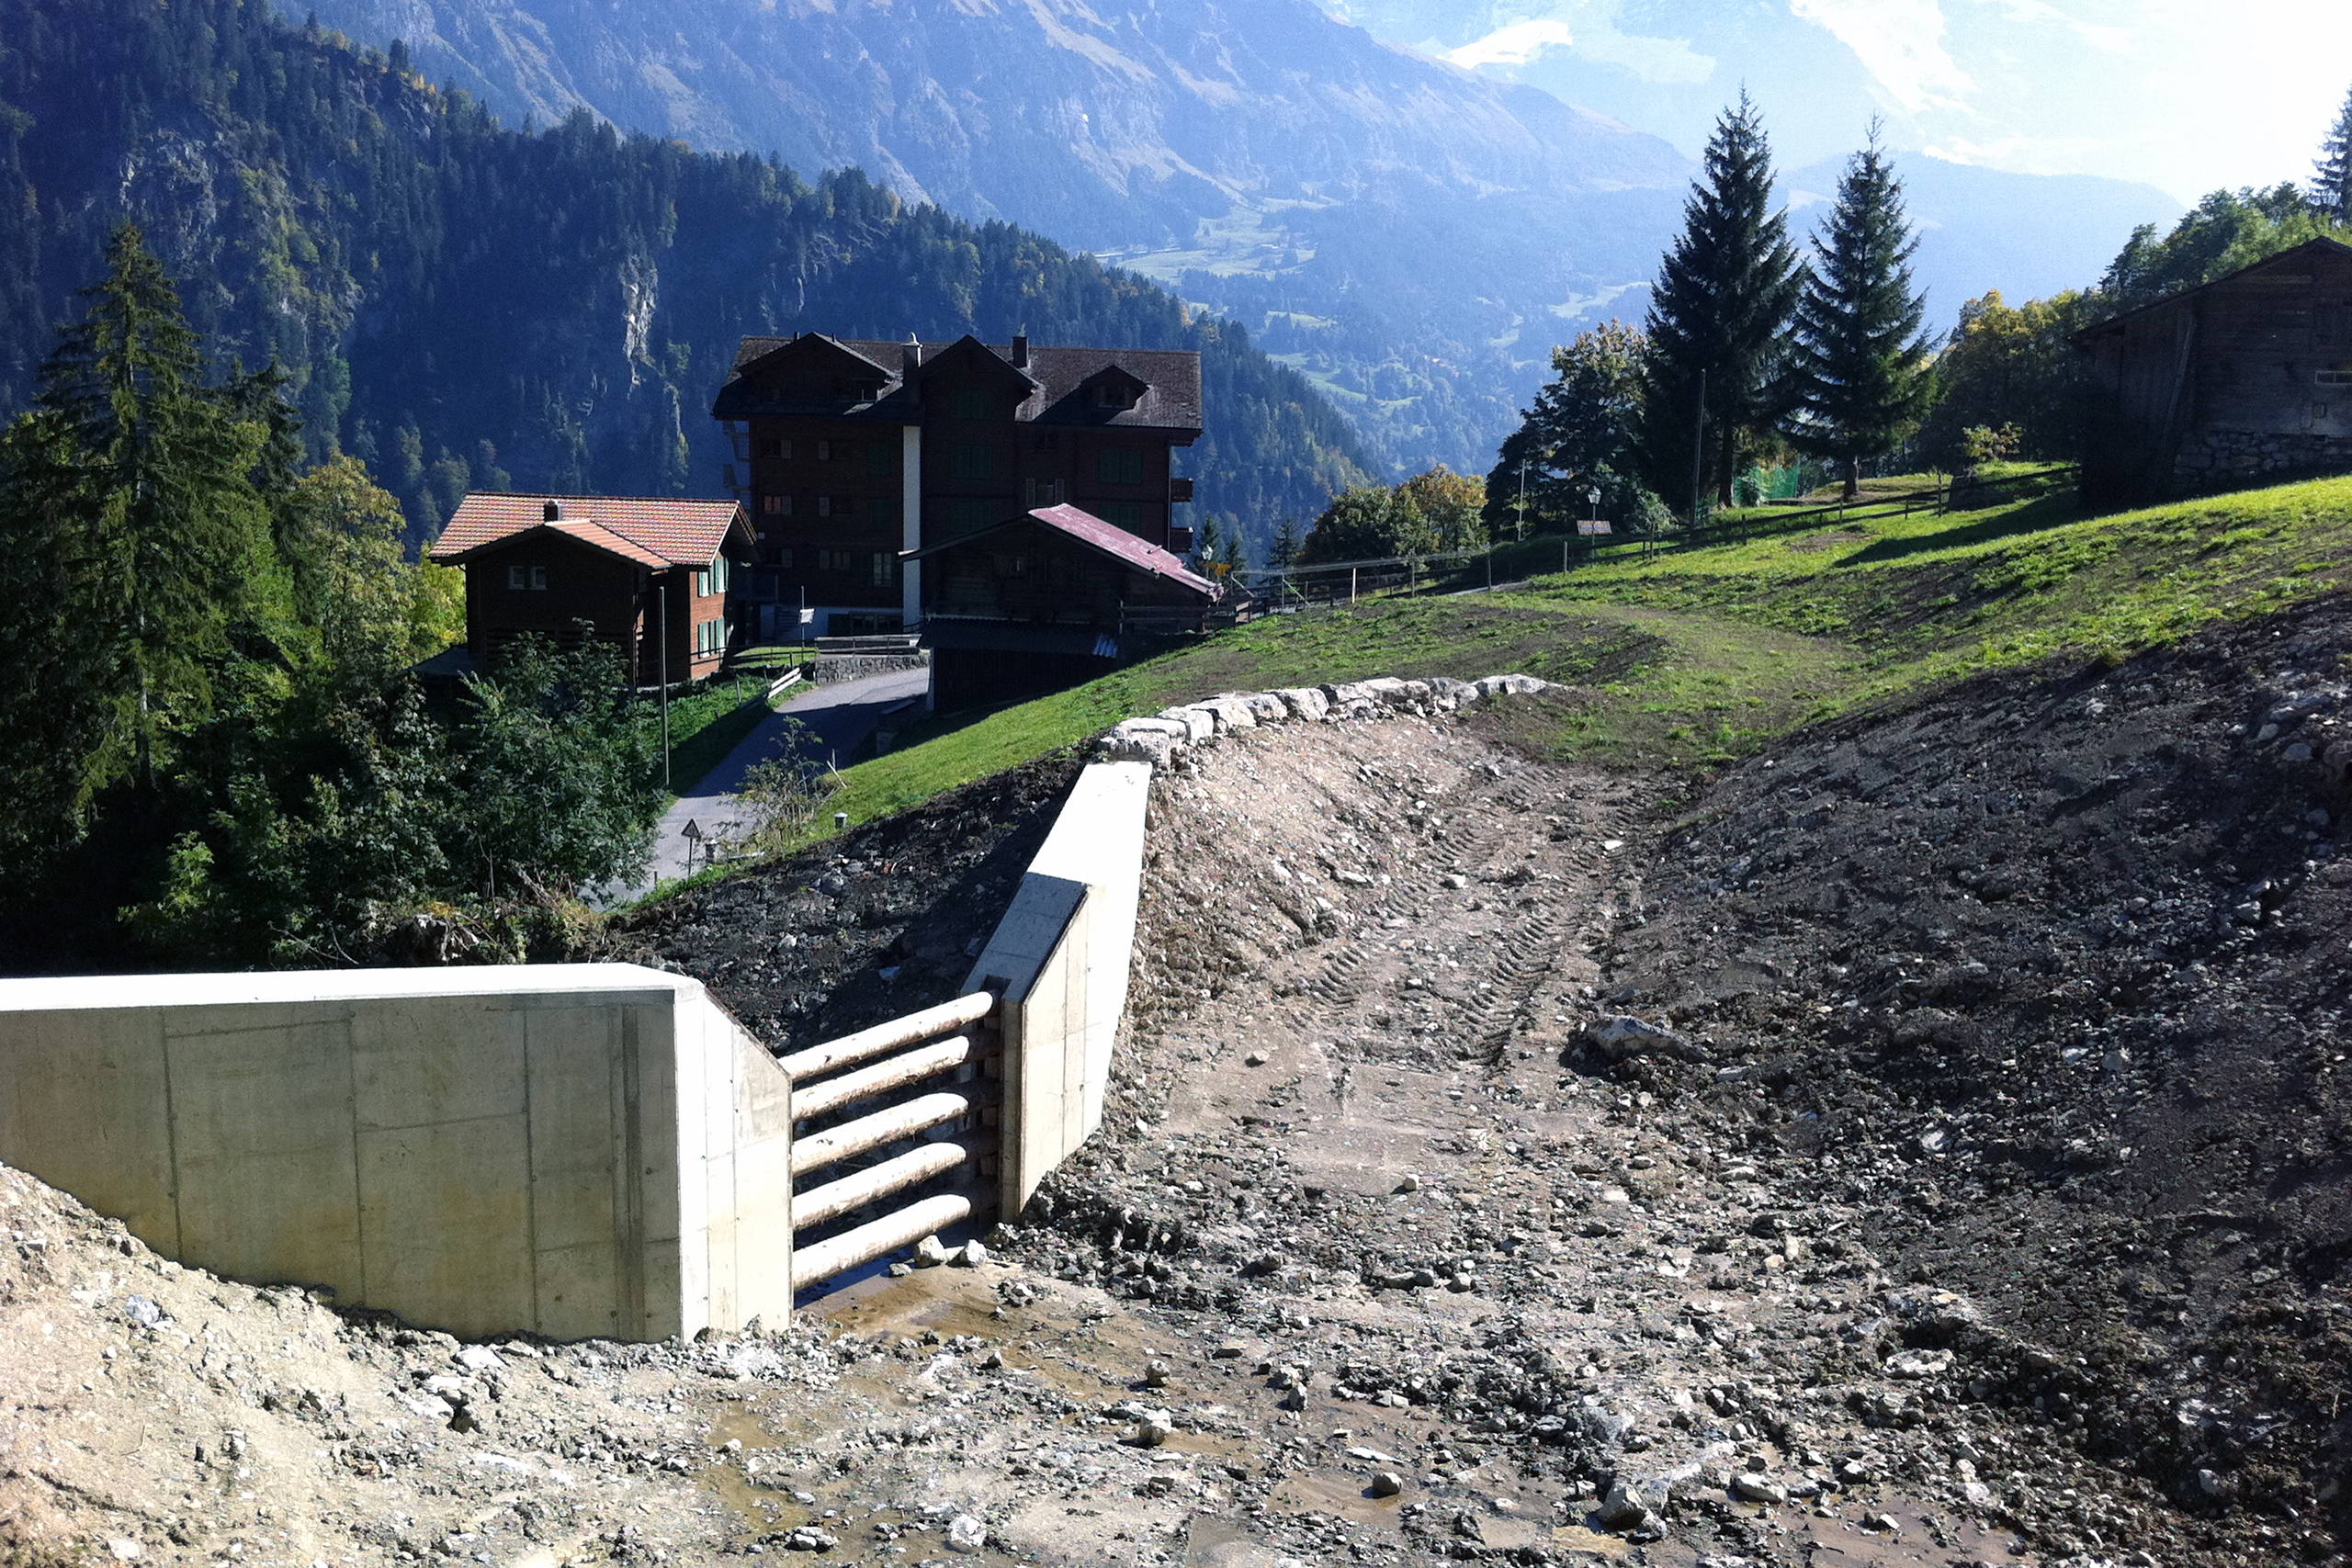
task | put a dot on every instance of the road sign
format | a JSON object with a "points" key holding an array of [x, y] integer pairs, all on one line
{"points": [[691, 831], [1589, 527]]}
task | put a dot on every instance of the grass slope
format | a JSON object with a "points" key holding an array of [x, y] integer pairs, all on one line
{"points": [[1696, 657]]}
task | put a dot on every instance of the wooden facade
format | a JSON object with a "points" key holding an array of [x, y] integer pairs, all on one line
{"points": [[629, 571], [854, 456], [1053, 597], [2244, 380]]}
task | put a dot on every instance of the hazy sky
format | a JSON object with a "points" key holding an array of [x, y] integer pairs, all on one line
{"points": [[2185, 95]]}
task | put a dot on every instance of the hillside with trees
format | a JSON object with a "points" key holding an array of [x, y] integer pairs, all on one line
{"points": [[1755, 366], [463, 305]]}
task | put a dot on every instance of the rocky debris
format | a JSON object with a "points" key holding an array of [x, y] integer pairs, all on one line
{"points": [[1164, 739], [863, 929]]}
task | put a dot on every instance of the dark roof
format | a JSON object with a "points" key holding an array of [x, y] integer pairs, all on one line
{"points": [[656, 533], [1171, 379], [2323, 245], [1085, 528]]}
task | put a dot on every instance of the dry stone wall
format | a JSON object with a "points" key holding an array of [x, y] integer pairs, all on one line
{"points": [[1165, 737]]}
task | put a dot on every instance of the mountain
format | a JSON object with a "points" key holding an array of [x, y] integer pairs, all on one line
{"points": [[463, 304], [1412, 235]]}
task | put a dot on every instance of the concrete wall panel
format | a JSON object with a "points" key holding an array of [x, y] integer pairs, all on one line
{"points": [[265, 1147], [1060, 958], [584, 1150], [95, 1101]]}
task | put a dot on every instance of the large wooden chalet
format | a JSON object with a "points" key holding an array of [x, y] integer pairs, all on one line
{"points": [[2245, 378], [1016, 503], [652, 576]]}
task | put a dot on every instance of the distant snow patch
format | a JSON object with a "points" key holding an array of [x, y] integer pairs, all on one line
{"points": [[1522, 43]]}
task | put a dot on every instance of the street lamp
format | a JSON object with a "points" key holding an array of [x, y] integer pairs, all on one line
{"points": [[1592, 499]]}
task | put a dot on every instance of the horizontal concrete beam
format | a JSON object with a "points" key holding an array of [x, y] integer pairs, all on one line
{"points": [[815, 1264], [882, 1038], [894, 1072], [880, 1130], [821, 1204]]}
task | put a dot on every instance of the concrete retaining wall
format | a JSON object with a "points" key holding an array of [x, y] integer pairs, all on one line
{"points": [[575, 1150], [1060, 959]]}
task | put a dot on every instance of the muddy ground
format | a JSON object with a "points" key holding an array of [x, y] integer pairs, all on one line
{"points": [[1927, 1149]]}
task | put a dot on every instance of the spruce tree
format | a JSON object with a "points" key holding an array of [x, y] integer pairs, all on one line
{"points": [[129, 493], [1860, 373], [2332, 187], [1718, 313]]}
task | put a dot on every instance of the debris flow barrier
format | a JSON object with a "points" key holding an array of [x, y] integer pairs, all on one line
{"points": [[597, 1150], [919, 1077]]}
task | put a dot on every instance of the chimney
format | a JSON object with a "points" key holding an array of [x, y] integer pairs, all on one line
{"points": [[554, 512], [912, 356], [1020, 349]]}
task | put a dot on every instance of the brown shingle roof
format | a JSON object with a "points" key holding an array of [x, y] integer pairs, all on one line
{"points": [[1174, 401], [1091, 531], [651, 533]]}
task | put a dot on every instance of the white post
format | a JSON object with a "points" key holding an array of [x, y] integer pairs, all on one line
{"points": [[911, 514]]}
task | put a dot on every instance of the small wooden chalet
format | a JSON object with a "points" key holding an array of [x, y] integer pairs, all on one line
{"points": [[1048, 598], [860, 459], [652, 576], [2246, 379]]}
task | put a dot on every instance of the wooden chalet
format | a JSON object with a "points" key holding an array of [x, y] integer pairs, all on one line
{"points": [[1051, 597], [652, 576], [2246, 379], [861, 461]]}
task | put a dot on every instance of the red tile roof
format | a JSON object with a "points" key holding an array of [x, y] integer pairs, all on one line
{"points": [[1107, 537], [650, 533]]}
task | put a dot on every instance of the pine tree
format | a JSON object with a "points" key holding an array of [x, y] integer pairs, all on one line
{"points": [[2332, 187], [1859, 372], [1719, 314], [129, 493], [1287, 541]]}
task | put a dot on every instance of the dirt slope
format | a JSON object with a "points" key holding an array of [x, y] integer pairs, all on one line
{"points": [[1926, 1151]]}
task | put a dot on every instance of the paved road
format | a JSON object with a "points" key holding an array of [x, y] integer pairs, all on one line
{"points": [[835, 719]]}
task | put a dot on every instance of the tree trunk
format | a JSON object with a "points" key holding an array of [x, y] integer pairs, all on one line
{"points": [[1853, 479]]}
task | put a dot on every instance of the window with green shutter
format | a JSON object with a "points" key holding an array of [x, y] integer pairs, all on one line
{"points": [[1119, 466], [973, 460]]}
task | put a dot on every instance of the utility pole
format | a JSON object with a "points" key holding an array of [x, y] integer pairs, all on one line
{"points": [[1699, 453], [1522, 500]]}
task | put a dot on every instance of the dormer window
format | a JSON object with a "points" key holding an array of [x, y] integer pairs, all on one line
{"points": [[1112, 390]]}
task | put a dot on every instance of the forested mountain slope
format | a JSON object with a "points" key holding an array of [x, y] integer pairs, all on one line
{"points": [[463, 304], [1415, 236]]}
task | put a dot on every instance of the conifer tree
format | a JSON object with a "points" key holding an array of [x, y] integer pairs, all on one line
{"points": [[2332, 187], [1859, 372], [1287, 542], [1718, 313], [135, 534]]}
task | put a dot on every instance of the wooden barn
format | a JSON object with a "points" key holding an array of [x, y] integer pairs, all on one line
{"points": [[2244, 380]]}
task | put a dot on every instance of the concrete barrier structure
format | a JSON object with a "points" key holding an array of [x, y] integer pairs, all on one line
{"points": [[1059, 960], [578, 1151]]}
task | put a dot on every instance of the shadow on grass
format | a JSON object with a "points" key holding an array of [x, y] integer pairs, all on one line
{"points": [[2035, 517]]}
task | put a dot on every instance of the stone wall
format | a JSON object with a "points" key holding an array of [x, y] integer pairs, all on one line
{"points": [[2224, 460]]}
